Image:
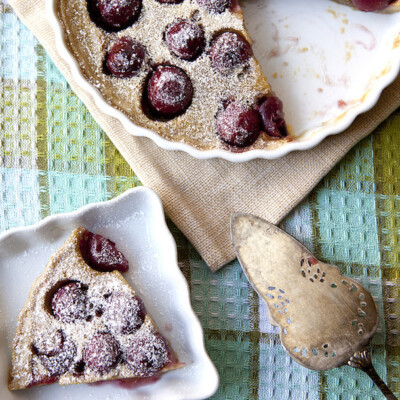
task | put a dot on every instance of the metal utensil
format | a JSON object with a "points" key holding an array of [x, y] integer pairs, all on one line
{"points": [[325, 319]]}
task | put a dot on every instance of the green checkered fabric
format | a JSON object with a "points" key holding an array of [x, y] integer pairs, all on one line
{"points": [[55, 158]]}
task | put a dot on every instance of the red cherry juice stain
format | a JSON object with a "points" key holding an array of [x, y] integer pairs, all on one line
{"points": [[168, 327], [129, 383], [341, 104]]}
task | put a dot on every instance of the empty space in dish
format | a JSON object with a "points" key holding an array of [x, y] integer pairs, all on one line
{"points": [[326, 61], [135, 222]]}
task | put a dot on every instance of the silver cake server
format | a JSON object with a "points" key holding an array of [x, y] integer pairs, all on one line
{"points": [[325, 319]]}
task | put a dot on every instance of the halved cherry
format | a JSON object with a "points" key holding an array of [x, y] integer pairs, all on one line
{"points": [[273, 122]]}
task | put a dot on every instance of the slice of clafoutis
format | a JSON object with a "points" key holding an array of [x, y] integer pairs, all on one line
{"points": [[183, 69], [83, 322]]}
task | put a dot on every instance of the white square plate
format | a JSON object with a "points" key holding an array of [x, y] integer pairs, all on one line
{"points": [[135, 222]]}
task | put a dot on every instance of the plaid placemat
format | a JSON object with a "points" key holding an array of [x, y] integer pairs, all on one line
{"points": [[55, 158]]}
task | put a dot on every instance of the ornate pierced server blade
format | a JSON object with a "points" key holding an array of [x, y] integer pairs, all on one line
{"points": [[325, 319]]}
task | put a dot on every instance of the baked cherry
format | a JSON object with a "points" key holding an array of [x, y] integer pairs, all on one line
{"points": [[42, 380], [371, 5], [59, 362], [124, 313], [79, 367], [69, 302], [147, 354], [101, 254], [125, 58], [238, 125], [273, 123], [114, 15], [215, 6], [185, 39], [169, 91], [228, 51], [101, 353]]}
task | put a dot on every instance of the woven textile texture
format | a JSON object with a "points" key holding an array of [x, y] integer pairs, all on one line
{"points": [[55, 158]]}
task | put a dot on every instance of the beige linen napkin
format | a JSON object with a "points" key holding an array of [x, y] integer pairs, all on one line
{"points": [[199, 196]]}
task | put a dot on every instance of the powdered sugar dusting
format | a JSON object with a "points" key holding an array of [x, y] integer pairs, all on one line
{"points": [[49, 343], [229, 51], [196, 126], [237, 125], [116, 5], [124, 313], [185, 36], [115, 14], [125, 58], [147, 352], [227, 122], [185, 39], [105, 256], [46, 349], [101, 253], [70, 302]]}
